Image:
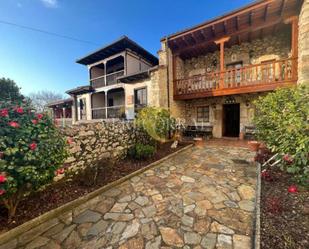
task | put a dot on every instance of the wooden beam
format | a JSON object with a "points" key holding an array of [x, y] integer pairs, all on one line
{"points": [[250, 18], [213, 32], [265, 12], [281, 8], [254, 28], [224, 27], [236, 23], [253, 6]]}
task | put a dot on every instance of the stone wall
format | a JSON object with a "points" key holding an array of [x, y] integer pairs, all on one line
{"points": [[216, 111], [98, 140], [303, 44], [271, 47]]}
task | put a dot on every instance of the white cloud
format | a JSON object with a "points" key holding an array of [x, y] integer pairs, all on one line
{"points": [[50, 3]]}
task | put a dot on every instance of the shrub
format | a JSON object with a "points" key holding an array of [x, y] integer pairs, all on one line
{"points": [[31, 151], [157, 122], [141, 151], [282, 123]]}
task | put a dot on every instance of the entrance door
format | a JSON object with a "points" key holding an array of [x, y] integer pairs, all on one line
{"points": [[231, 120]]}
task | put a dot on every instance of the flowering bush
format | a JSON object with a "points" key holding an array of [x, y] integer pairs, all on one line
{"points": [[282, 123], [31, 151]]}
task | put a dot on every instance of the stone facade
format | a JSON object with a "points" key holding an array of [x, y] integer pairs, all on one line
{"points": [[259, 50], [303, 44], [271, 47], [95, 141], [215, 105]]}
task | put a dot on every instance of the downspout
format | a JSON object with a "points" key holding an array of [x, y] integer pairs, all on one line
{"points": [[167, 74]]}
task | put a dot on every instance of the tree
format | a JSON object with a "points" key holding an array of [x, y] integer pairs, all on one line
{"points": [[9, 91], [41, 98], [31, 152]]}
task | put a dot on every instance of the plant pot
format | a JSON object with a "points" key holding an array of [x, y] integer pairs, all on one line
{"points": [[254, 145], [199, 142]]}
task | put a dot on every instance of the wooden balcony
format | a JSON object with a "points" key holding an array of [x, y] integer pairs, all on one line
{"points": [[248, 79], [106, 80]]}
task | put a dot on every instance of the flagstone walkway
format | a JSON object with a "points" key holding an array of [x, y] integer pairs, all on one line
{"points": [[202, 198]]}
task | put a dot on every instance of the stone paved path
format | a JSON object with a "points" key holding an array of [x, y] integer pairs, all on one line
{"points": [[202, 198]]}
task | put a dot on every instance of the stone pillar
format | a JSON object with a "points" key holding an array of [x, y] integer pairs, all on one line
{"points": [[74, 110], [303, 44]]}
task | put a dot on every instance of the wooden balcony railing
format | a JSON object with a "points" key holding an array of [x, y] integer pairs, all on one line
{"points": [[253, 78]]}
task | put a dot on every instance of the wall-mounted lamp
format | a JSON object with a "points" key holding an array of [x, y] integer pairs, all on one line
{"points": [[230, 100], [247, 103]]}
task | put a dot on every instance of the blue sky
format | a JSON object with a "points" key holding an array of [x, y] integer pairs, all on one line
{"points": [[38, 61]]}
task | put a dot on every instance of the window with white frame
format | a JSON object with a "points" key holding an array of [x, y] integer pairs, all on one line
{"points": [[203, 114]]}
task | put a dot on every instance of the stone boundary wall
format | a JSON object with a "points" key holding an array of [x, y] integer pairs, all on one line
{"points": [[91, 142], [303, 44]]}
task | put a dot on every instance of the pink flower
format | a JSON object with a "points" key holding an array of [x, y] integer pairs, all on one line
{"points": [[4, 113], [34, 121], [19, 110], [2, 192], [14, 124], [39, 116], [2, 179], [293, 189], [33, 146]]}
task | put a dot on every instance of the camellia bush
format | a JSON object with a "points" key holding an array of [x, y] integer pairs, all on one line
{"points": [[157, 122], [282, 124], [31, 152]]}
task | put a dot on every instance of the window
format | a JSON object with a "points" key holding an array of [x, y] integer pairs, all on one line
{"points": [[203, 114], [140, 98]]}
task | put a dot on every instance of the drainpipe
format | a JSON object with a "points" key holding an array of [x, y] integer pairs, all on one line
{"points": [[167, 74]]}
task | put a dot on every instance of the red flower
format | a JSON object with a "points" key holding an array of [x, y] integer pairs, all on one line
{"points": [[19, 110], [2, 192], [34, 121], [60, 171], [1, 154], [70, 140], [2, 179], [288, 158], [293, 189], [39, 116], [14, 124], [4, 113], [33, 146], [265, 174]]}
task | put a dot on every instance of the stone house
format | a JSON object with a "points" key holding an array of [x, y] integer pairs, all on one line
{"points": [[207, 75], [216, 69], [119, 77]]}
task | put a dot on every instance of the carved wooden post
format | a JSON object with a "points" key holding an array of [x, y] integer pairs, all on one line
{"points": [[221, 43], [293, 20]]}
